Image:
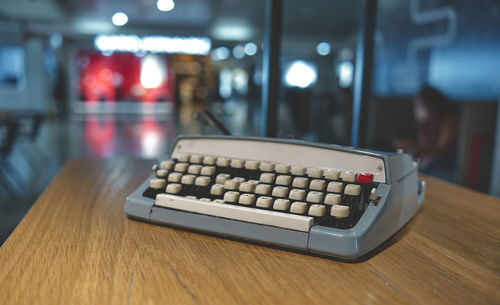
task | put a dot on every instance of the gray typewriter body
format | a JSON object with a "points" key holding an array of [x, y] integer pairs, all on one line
{"points": [[394, 180]]}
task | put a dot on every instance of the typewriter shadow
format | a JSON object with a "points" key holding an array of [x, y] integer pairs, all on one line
{"points": [[385, 245]]}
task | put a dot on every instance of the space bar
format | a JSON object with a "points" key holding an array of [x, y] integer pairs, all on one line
{"points": [[253, 215]]}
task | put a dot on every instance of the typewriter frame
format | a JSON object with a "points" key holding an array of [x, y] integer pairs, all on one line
{"points": [[401, 197]]}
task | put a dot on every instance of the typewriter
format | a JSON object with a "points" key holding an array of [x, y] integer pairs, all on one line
{"points": [[318, 198]]}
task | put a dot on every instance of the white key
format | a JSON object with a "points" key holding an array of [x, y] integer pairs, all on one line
{"points": [[188, 179], [157, 183], [183, 158], [205, 199], [168, 164], [317, 210], [247, 187], [191, 197], [196, 159], [266, 166], [315, 197], [333, 199], [155, 167], [332, 174], [339, 211], [231, 185], [194, 169], [373, 194], [264, 202], [209, 160], [314, 172], [173, 188], [247, 199], [298, 170], [202, 181], [281, 204], [181, 167], [297, 194], [352, 189], [298, 207], [239, 179], [174, 177], [231, 196], [221, 178], [317, 185], [237, 163], [280, 191], [237, 212], [162, 173], [283, 180], [207, 170], [335, 187], [224, 162], [217, 189], [262, 189], [300, 182], [252, 164], [282, 168], [349, 177], [253, 181], [218, 201], [266, 178]]}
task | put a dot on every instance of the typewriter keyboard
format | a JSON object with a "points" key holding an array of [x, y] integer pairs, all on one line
{"points": [[283, 195]]}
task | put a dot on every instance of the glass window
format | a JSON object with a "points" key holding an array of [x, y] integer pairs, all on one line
{"points": [[318, 47]]}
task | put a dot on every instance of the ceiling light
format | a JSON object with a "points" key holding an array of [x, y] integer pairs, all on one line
{"points": [[185, 45], [121, 43], [119, 19], [154, 44], [165, 5], [323, 48], [220, 53], [239, 52], [300, 74], [91, 25], [234, 30], [250, 49]]}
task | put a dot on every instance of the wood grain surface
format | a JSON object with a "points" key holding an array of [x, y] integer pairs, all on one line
{"points": [[76, 246]]}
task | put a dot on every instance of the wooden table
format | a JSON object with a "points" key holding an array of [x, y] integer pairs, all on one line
{"points": [[76, 246]]}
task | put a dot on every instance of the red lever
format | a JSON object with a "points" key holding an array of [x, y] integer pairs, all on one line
{"points": [[365, 178]]}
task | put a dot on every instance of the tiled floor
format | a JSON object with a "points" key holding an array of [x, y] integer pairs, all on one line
{"points": [[32, 164]]}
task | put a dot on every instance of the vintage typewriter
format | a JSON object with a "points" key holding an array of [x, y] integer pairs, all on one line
{"points": [[318, 198]]}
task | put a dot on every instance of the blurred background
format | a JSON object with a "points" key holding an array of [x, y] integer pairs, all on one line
{"points": [[109, 78]]}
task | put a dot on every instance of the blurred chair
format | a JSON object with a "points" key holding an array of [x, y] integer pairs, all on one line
{"points": [[10, 129], [19, 128]]}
